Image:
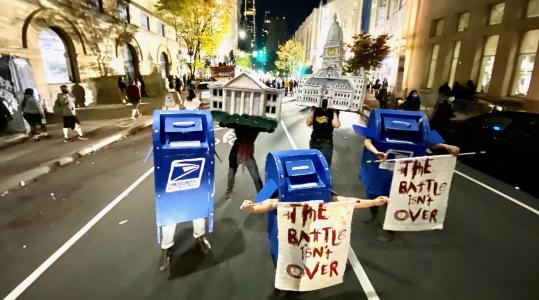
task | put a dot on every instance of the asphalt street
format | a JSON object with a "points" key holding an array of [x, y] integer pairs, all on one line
{"points": [[487, 250]]}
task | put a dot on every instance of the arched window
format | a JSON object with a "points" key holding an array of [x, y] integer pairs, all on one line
{"points": [[55, 57], [164, 66], [130, 61]]}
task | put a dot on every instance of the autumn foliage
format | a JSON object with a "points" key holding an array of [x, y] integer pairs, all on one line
{"points": [[368, 52]]}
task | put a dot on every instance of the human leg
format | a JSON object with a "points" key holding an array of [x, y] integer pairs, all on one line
{"points": [[167, 241], [253, 171], [199, 233]]}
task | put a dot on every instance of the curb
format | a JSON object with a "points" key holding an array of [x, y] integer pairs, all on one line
{"points": [[19, 139], [31, 175]]}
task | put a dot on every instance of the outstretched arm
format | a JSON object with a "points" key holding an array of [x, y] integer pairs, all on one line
{"points": [[265, 206], [336, 123], [449, 148], [363, 203], [369, 146], [310, 118]]}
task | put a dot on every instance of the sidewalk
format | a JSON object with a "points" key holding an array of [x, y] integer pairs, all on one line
{"points": [[24, 160]]}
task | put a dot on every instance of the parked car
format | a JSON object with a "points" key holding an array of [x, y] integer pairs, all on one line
{"points": [[511, 142]]}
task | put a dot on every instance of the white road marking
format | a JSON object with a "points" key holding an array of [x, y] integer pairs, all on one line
{"points": [[361, 275], [63, 249], [533, 210]]}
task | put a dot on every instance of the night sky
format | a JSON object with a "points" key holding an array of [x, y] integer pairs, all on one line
{"points": [[295, 11]]}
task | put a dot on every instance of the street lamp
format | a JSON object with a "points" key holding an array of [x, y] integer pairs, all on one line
{"points": [[242, 34]]}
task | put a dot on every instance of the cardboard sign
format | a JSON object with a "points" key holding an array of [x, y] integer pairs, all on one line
{"points": [[419, 192], [314, 238]]}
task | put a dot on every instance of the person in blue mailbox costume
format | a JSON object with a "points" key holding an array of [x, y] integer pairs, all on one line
{"points": [[296, 176], [393, 134]]}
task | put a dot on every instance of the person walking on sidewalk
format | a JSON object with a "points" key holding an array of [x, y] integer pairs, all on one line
{"points": [[323, 120], [32, 111], [65, 104], [122, 86], [133, 95]]}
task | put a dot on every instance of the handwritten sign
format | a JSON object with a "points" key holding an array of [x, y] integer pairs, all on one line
{"points": [[419, 193], [314, 238]]}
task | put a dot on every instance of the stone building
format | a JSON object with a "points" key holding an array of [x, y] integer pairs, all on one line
{"points": [[312, 33], [244, 95], [91, 43], [342, 92], [491, 42]]}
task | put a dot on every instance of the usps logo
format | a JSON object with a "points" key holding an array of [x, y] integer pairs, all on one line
{"points": [[185, 174]]}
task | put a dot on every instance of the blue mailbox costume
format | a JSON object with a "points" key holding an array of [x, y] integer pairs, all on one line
{"points": [[398, 133], [295, 175], [183, 144]]}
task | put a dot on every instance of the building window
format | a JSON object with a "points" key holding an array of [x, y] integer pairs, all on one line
{"points": [[464, 20], [533, 9], [487, 63], [161, 29], [144, 21], [123, 12], [496, 13], [454, 62], [381, 12], [273, 110], [437, 27], [432, 65], [96, 5], [525, 63], [55, 57]]}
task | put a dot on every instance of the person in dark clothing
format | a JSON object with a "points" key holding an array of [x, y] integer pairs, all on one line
{"points": [[381, 96], [470, 89], [441, 118], [412, 102], [5, 116], [33, 113], [444, 89], [242, 152], [324, 121], [133, 95], [184, 81], [122, 86], [79, 93], [178, 85], [458, 91], [377, 85]]}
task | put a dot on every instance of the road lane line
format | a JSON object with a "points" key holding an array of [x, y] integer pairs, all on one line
{"points": [[63, 249], [533, 210], [361, 275]]}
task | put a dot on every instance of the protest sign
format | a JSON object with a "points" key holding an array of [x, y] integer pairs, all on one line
{"points": [[419, 192], [314, 238]]}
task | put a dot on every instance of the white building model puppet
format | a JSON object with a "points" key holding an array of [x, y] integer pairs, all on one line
{"points": [[246, 96], [342, 92]]}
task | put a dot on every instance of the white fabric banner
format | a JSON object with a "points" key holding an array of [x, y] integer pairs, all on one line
{"points": [[419, 193], [313, 244]]}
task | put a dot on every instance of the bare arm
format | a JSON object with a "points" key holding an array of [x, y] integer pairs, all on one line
{"points": [[449, 148], [310, 118], [369, 146], [265, 206], [336, 122], [363, 203]]}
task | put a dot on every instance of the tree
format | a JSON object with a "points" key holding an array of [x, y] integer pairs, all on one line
{"points": [[201, 24], [289, 56], [244, 62], [368, 52]]}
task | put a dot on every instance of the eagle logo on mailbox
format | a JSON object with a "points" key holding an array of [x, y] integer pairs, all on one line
{"points": [[185, 174]]}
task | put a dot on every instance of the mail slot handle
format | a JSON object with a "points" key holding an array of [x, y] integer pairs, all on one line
{"points": [[184, 124], [407, 124]]}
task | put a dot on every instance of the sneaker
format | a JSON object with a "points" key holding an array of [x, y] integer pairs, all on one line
{"points": [[36, 138], [227, 194], [82, 138], [133, 118], [66, 140]]}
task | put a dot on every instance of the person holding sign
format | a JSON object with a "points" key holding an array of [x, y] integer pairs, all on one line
{"points": [[393, 134]]}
